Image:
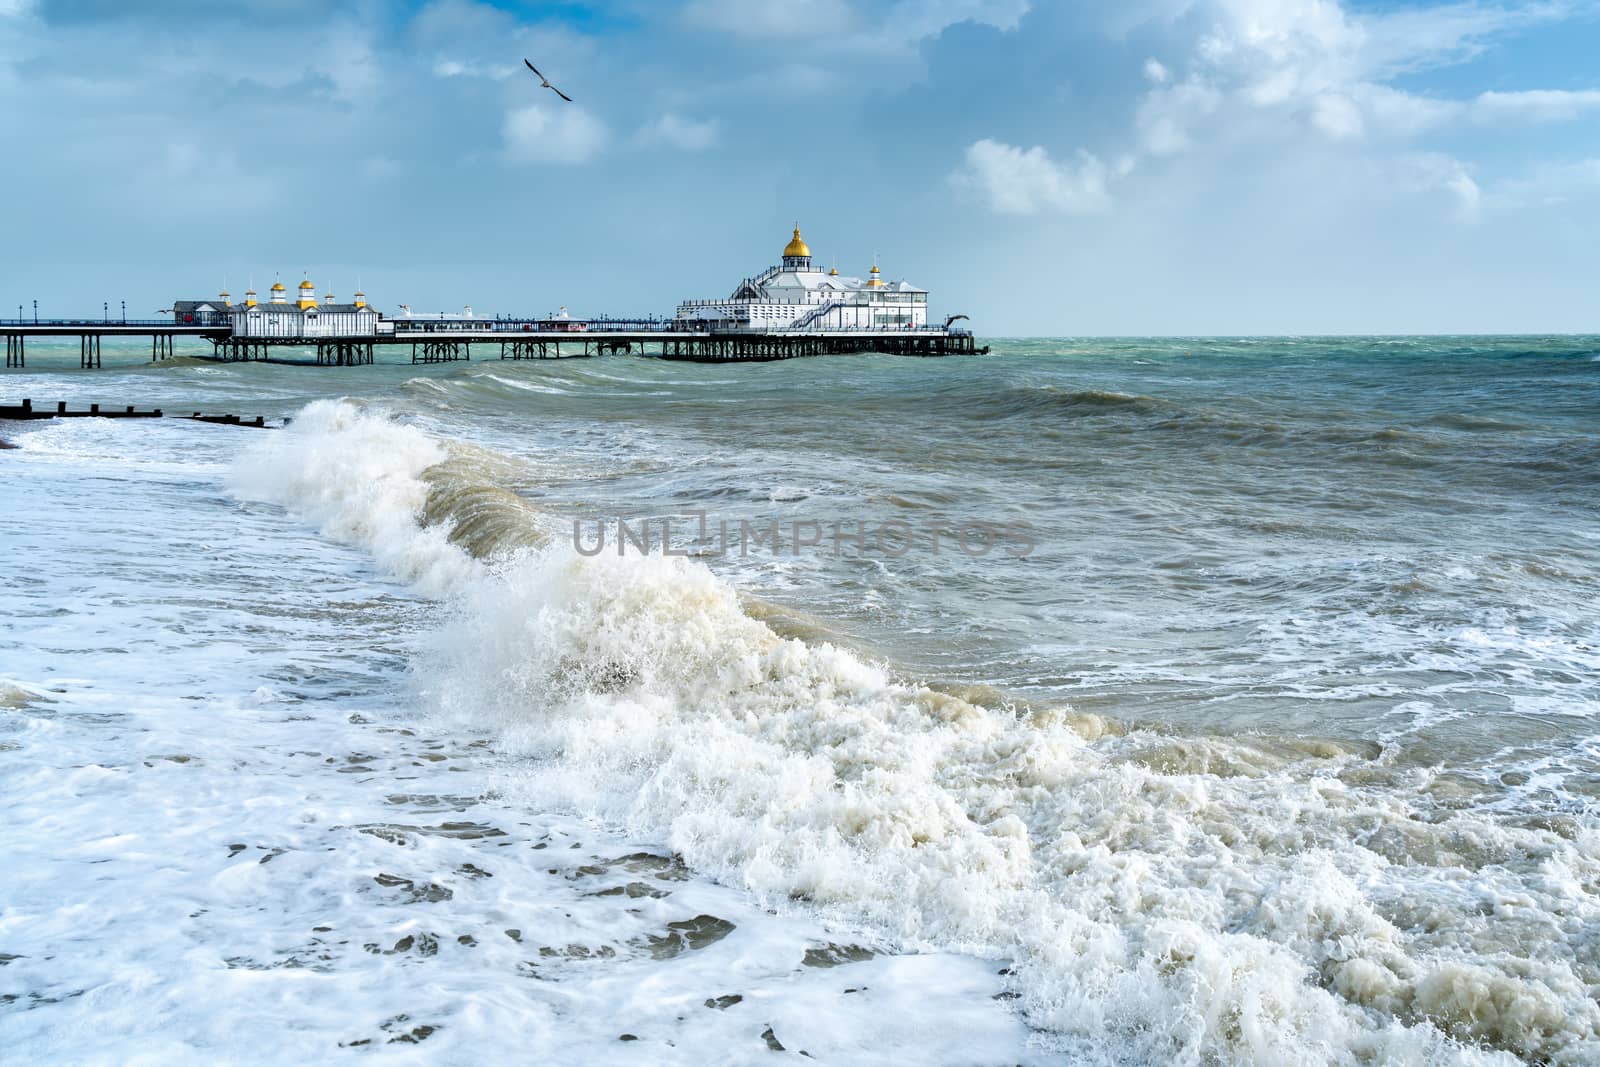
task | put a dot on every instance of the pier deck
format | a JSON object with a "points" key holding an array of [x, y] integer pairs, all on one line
{"points": [[512, 340]]}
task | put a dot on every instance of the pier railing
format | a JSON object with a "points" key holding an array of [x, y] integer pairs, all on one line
{"points": [[91, 322]]}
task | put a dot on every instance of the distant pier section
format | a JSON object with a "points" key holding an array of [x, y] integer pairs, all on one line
{"points": [[791, 309]]}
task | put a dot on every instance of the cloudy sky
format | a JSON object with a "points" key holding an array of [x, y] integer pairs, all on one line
{"points": [[1049, 167]]}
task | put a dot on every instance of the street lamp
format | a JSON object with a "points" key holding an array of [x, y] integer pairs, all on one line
{"points": [[124, 313], [105, 311], [36, 312]]}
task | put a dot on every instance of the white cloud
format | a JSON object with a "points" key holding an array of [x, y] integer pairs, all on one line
{"points": [[1434, 172], [1167, 115], [928, 18], [1535, 105], [772, 18], [1552, 184], [1283, 75], [1338, 116], [15, 8], [689, 135], [567, 134], [1020, 181], [838, 20]]}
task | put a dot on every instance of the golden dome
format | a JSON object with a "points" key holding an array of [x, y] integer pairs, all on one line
{"points": [[304, 285], [834, 273], [797, 247], [277, 287], [874, 279]]}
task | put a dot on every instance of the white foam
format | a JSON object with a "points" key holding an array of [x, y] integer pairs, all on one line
{"points": [[356, 476], [1317, 912], [230, 837]]}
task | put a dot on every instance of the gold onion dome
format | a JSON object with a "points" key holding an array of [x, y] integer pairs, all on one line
{"points": [[277, 287], [304, 285], [797, 247]]}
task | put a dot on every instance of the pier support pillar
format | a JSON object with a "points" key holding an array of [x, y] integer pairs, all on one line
{"points": [[440, 351], [16, 354]]}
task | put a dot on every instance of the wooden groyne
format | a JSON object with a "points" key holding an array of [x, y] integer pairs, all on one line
{"points": [[26, 412], [95, 411], [258, 423]]}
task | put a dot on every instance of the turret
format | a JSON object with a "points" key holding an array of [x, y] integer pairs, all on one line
{"points": [[797, 254], [280, 295], [308, 295]]}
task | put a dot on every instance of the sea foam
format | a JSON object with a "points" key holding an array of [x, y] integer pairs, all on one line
{"points": [[1302, 910]]}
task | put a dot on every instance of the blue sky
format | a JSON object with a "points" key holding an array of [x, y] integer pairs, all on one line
{"points": [[1148, 166]]}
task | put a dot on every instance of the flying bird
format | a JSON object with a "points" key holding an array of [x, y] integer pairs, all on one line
{"points": [[545, 82]]}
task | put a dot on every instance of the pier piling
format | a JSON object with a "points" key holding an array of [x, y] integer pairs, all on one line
{"points": [[440, 351]]}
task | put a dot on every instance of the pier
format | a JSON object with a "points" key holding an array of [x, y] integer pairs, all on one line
{"points": [[506, 339], [793, 308], [90, 333]]}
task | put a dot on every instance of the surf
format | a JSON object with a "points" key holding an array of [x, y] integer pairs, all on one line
{"points": [[1307, 907]]}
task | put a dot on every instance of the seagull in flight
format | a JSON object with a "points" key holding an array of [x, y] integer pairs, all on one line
{"points": [[545, 82]]}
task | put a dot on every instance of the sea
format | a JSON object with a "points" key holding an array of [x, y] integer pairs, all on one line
{"points": [[1094, 701]]}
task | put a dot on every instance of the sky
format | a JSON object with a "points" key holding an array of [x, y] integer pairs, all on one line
{"points": [[1048, 167]]}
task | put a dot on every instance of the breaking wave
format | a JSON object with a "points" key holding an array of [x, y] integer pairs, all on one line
{"points": [[1158, 899]]}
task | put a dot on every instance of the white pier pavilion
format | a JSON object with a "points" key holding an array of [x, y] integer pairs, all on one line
{"points": [[797, 295], [306, 317]]}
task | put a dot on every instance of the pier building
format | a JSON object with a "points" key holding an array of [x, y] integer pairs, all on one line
{"points": [[306, 317], [203, 312], [797, 294]]}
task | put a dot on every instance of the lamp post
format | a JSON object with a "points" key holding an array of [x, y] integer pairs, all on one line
{"points": [[105, 311], [124, 313], [36, 312]]}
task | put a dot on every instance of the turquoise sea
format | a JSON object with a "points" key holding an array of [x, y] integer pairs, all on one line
{"points": [[1180, 700]]}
